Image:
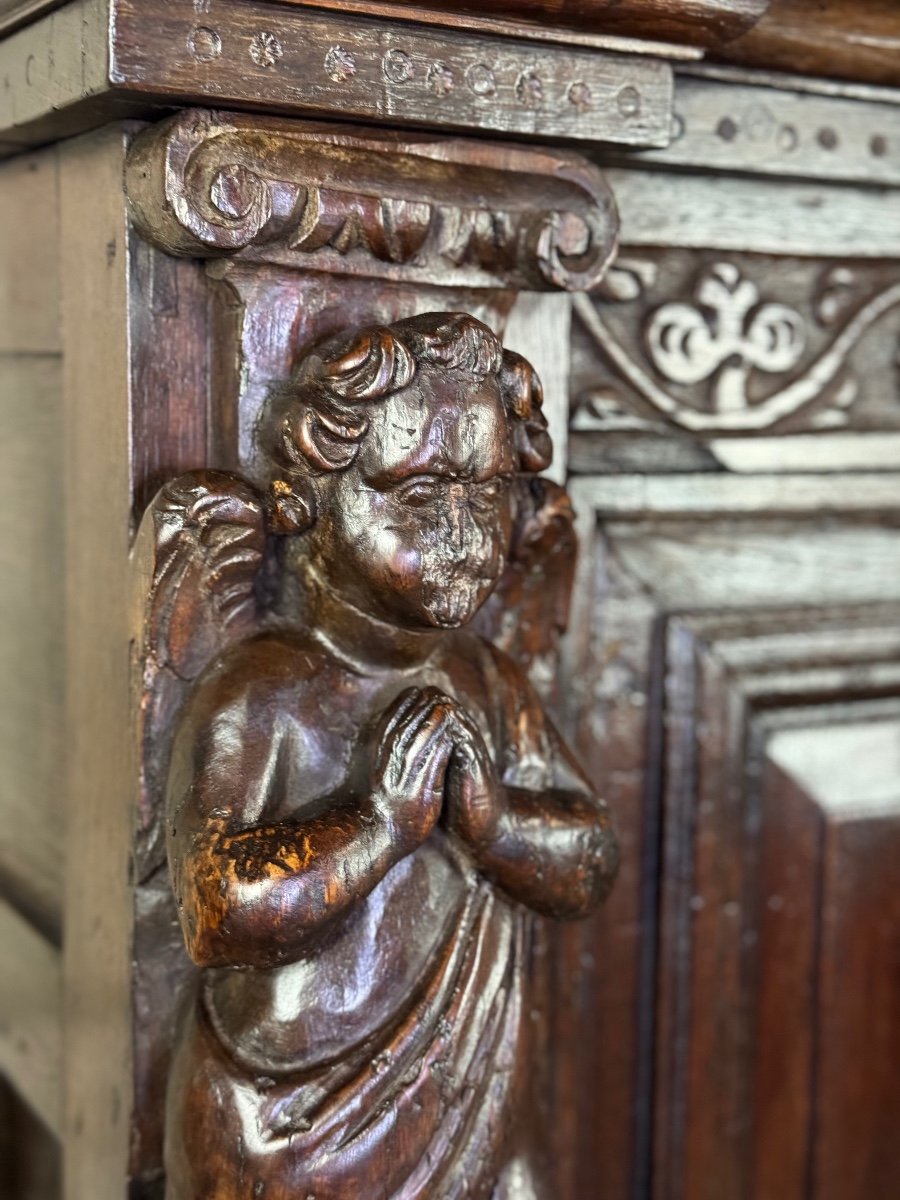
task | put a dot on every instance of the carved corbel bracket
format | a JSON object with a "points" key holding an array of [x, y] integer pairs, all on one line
{"points": [[332, 198]]}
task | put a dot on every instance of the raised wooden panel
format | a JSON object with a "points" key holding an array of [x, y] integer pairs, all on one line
{"points": [[774, 556], [834, 786], [747, 883]]}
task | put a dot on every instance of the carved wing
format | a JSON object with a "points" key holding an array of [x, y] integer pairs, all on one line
{"points": [[529, 609], [203, 543], [198, 552]]}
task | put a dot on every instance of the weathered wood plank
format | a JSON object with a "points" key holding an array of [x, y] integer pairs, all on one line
{"points": [[29, 246], [94, 60], [101, 756], [32, 843], [723, 126], [31, 1016], [31, 544], [768, 217]]}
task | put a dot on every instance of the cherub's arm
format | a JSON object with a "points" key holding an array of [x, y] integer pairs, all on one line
{"points": [[537, 828], [255, 893]]}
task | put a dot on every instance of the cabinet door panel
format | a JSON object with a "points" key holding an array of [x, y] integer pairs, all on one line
{"points": [[713, 615]]}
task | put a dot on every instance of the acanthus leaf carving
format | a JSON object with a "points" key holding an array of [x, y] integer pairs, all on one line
{"points": [[346, 201]]}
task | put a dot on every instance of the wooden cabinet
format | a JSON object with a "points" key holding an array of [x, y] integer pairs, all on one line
{"points": [[701, 257]]}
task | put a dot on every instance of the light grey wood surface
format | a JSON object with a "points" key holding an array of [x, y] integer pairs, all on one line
{"points": [[725, 212], [31, 1016], [538, 328], [102, 764], [31, 543], [722, 126]]}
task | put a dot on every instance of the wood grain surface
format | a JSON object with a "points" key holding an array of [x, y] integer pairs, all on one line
{"points": [[102, 764], [699, 22], [32, 522], [843, 39]]}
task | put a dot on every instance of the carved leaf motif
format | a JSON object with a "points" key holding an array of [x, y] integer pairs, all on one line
{"points": [[775, 338], [726, 334], [682, 344], [628, 279], [390, 230]]}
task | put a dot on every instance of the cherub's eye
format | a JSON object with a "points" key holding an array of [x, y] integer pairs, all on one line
{"points": [[492, 489], [418, 492]]}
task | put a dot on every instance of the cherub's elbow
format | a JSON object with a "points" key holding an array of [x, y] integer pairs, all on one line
{"points": [[205, 939], [595, 875]]}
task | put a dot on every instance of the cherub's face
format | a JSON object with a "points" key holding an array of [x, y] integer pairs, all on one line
{"points": [[416, 531]]}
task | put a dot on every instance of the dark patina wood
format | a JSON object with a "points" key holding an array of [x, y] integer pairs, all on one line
{"points": [[364, 800], [843, 39], [292, 200], [721, 1029]]}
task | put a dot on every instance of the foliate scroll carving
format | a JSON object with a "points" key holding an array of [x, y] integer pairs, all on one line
{"points": [[742, 345], [401, 207], [365, 799]]}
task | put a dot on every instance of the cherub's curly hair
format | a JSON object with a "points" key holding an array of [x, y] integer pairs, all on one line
{"points": [[321, 415]]}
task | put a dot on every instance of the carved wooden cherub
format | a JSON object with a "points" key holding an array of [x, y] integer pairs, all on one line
{"points": [[365, 798]]}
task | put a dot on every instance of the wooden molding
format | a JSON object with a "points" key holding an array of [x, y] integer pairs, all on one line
{"points": [[842, 39], [115, 58], [332, 199], [700, 23]]}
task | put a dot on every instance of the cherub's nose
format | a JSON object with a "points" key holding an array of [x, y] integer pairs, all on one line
{"points": [[459, 517]]}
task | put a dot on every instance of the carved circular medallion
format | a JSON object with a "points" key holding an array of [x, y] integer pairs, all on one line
{"points": [[266, 49], [204, 44], [440, 79], [340, 65], [530, 89], [480, 79], [397, 66]]}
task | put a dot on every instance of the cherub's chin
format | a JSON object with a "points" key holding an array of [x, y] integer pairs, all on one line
{"points": [[453, 607]]}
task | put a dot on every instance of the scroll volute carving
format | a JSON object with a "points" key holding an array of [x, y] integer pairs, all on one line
{"points": [[366, 800], [369, 203]]}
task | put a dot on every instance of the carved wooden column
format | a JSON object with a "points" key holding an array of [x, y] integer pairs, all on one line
{"points": [[300, 236]]}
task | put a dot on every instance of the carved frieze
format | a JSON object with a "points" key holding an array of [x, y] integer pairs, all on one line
{"points": [[721, 345], [336, 199]]}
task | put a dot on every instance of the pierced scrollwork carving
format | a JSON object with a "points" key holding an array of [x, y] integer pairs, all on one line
{"points": [[335, 199], [702, 363]]}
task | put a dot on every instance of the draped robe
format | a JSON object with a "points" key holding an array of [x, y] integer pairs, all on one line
{"points": [[391, 1060]]}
